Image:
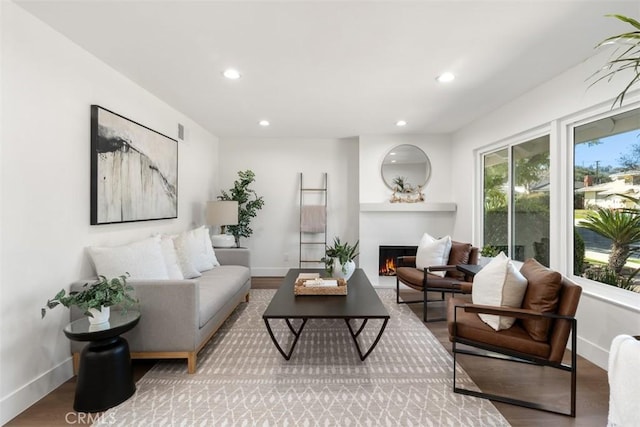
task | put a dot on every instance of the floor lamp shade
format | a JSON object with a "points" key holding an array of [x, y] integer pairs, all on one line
{"points": [[222, 212]]}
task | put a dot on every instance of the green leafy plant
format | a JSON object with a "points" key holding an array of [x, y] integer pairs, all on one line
{"points": [[625, 57], [248, 204], [343, 252], [104, 292], [489, 251], [604, 274], [622, 227]]}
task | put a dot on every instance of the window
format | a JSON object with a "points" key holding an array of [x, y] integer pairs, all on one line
{"points": [[516, 200], [606, 194]]}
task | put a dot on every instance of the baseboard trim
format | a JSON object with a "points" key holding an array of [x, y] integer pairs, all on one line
{"points": [[15, 403], [270, 271], [593, 353]]}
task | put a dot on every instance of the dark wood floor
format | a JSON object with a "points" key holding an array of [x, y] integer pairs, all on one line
{"points": [[549, 385]]}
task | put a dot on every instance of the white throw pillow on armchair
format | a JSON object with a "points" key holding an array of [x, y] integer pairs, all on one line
{"points": [[499, 284], [432, 252]]}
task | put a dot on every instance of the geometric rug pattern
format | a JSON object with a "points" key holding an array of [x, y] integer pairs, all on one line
{"points": [[242, 380]]}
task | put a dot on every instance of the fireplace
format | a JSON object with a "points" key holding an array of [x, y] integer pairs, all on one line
{"points": [[387, 258]]}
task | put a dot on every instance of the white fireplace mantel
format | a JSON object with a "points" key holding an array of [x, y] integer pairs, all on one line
{"points": [[408, 207]]}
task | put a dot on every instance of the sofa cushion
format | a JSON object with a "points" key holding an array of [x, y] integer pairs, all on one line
{"points": [[218, 286], [433, 252], [499, 284], [142, 260], [542, 295]]}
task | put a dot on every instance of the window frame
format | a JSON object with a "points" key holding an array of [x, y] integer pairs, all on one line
{"points": [[565, 215], [509, 143]]}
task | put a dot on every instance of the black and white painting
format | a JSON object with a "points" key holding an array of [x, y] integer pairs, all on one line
{"points": [[134, 170]]}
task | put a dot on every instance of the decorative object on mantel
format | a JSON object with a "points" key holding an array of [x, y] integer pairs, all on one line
{"points": [[338, 258], [222, 213], [405, 192], [248, 204], [406, 169], [96, 298], [134, 171]]}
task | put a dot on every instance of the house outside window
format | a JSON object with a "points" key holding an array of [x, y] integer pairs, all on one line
{"points": [[606, 195], [516, 199]]}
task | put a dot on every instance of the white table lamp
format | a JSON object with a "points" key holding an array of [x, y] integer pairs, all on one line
{"points": [[222, 213]]}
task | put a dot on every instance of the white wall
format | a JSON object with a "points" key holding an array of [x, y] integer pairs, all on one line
{"points": [[397, 227], [277, 164], [603, 312], [48, 85]]}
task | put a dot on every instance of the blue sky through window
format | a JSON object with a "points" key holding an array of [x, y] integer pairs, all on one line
{"points": [[608, 152]]}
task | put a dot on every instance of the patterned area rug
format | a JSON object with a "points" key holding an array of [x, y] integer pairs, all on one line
{"points": [[243, 380]]}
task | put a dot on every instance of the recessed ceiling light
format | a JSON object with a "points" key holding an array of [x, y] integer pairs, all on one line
{"points": [[264, 123], [392, 153], [393, 161], [401, 123], [231, 74], [446, 77]]}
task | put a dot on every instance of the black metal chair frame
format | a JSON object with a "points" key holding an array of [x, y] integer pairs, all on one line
{"points": [[426, 288], [494, 352]]}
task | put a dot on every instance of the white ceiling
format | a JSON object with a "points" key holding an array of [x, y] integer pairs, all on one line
{"points": [[336, 69]]}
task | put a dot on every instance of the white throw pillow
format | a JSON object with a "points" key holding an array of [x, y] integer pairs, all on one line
{"points": [[499, 284], [142, 260], [432, 252], [181, 244], [211, 255], [170, 258]]}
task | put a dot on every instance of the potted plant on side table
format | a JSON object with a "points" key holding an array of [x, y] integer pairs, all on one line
{"points": [[96, 298], [338, 259]]}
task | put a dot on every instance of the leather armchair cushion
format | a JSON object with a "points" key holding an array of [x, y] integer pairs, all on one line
{"points": [[543, 293], [471, 327], [413, 277], [459, 254]]}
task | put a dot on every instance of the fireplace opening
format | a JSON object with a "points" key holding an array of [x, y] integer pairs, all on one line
{"points": [[387, 258]]}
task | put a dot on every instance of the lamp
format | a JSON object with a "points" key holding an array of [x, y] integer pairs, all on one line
{"points": [[222, 213]]}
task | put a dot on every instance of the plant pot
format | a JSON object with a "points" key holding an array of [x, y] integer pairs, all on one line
{"points": [[99, 316], [350, 267]]}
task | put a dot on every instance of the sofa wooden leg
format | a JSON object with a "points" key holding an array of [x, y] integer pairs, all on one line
{"points": [[191, 362], [76, 363], [246, 297]]}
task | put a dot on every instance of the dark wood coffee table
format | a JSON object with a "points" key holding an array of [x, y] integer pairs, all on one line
{"points": [[361, 302]]}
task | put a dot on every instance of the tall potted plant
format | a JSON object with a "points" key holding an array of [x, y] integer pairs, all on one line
{"points": [[248, 204], [95, 298], [338, 258]]}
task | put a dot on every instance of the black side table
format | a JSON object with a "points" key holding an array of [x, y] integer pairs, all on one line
{"points": [[105, 376], [469, 270]]}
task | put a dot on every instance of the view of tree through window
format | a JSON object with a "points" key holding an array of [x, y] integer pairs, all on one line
{"points": [[607, 200], [516, 206]]}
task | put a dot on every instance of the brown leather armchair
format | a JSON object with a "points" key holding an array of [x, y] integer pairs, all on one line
{"points": [[544, 345], [423, 280]]}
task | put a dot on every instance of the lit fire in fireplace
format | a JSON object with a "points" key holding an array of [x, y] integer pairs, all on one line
{"points": [[389, 268]]}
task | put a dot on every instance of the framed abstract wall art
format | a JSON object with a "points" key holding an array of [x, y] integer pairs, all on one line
{"points": [[134, 170]]}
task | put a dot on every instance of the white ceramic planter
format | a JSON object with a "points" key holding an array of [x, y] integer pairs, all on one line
{"points": [[99, 316], [350, 267]]}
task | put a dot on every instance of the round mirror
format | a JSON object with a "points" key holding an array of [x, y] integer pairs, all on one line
{"points": [[406, 166]]}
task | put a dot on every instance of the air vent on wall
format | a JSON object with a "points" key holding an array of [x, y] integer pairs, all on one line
{"points": [[180, 132]]}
